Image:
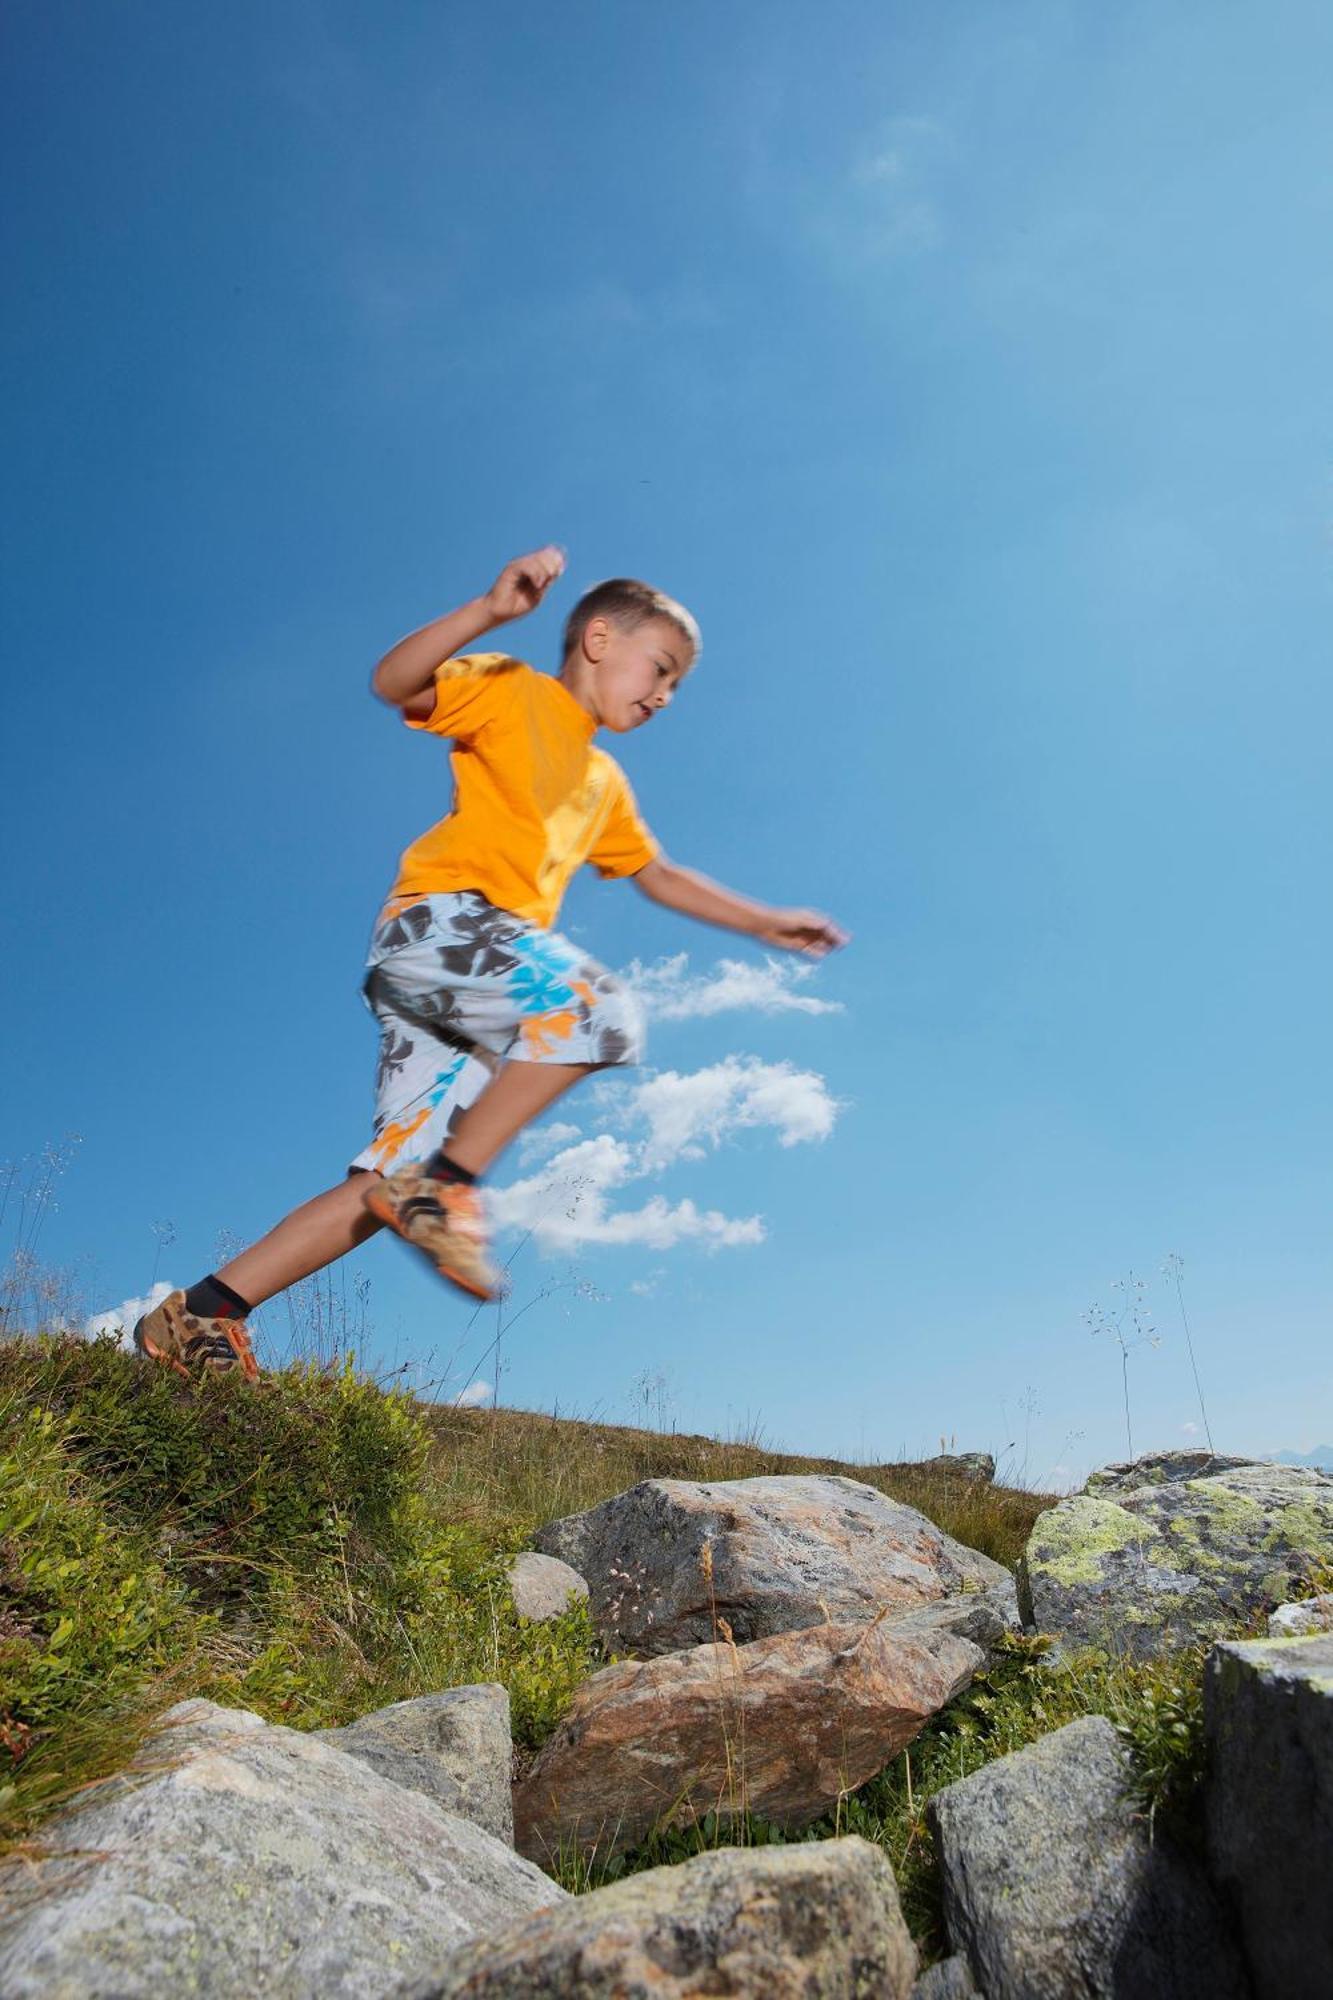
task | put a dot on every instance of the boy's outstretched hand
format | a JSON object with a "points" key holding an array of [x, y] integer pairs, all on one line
{"points": [[524, 582], [802, 930]]}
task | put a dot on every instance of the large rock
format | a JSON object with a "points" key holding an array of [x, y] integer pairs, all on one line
{"points": [[1160, 1468], [1053, 1890], [1302, 1620], [455, 1747], [808, 1922], [543, 1586], [781, 1727], [1268, 1711], [235, 1859], [968, 1465], [784, 1552], [1143, 1561]]}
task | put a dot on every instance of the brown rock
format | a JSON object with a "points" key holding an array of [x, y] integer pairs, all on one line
{"points": [[818, 1921], [780, 1728]]}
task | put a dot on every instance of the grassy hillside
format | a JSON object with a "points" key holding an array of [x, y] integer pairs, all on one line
{"points": [[317, 1548]]}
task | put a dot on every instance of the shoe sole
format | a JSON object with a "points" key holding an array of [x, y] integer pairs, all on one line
{"points": [[382, 1208]]}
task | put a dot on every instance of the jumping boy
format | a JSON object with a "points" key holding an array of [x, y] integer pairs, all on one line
{"points": [[486, 1014]]}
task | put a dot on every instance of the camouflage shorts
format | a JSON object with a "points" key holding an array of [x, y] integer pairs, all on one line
{"points": [[459, 986]]}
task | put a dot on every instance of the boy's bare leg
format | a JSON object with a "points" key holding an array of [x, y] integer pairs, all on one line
{"points": [[516, 1095], [306, 1240]]}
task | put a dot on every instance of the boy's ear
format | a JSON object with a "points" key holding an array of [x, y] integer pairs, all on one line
{"points": [[596, 634]]}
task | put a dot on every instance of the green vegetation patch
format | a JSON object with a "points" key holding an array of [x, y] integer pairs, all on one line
{"points": [[287, 1548]]}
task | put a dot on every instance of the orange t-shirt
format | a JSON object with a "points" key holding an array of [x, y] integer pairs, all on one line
{"points": [[533, 800]]}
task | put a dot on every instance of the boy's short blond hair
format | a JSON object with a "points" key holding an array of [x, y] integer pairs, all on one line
{"points": [[628, 603]]}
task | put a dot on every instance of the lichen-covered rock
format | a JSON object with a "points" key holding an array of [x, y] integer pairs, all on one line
{"points": [[1160, 1468], [781, 1728], [1302, 1620], [785, 1553], [232, 1858], [455, 1747], [817, 1922], [542, 1586], [1141, 1565], [1268, 1716], [1054, 1891]]}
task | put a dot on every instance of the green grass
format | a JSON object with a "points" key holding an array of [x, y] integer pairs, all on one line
{"points": [[318, 1548]]}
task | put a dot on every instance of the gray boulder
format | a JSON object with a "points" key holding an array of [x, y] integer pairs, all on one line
{"points": [[232, 1859], [816, 1922], [978, 1465], [1303, 1620], [1143, 1561], [542, 1586], [667, 1559], [951, 1979], [1268, 1714], [1160, 1468], [1053, 1890], [454, 1747]]}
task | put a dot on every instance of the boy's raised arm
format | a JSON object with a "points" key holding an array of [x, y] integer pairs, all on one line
{"points": [[684, 889], [405, 676]]}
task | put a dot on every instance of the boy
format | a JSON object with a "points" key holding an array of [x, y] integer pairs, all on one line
{"points": [[486, 1014]]}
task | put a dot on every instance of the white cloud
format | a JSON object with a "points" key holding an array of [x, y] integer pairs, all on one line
{"points": [[476, 1395], [686, 1114], [1190, 1430], [121, 1319], [541, 1140], [567, 1204], [668, 1119], [670, 994]]}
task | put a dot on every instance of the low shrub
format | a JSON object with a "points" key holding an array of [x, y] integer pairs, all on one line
{"points": [[287, 1549]]}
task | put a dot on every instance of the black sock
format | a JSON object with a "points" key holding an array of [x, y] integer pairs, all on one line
{"points": [[211, 1299], [441, 1169]]}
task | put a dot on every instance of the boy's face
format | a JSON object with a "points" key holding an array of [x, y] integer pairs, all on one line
{"points": [[635, 670]]}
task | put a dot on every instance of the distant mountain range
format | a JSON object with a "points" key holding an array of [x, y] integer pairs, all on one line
{"points": [[1321, 1458]]}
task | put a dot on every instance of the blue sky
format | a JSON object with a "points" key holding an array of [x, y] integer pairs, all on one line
{"points": [[966, 371]]}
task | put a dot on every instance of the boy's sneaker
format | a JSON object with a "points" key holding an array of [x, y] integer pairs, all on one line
{"points": [[183, 1340], [443, 1219]]}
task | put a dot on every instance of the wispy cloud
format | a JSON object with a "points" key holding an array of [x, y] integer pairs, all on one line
{"points": [[541, 1140], [120, 1320], [476, 1395], [882, 199], [671, 993], [688, 1114], [667, 1119]]}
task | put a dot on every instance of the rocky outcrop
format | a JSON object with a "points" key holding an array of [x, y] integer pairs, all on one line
{"points": [[1161, 1554], [453, 1747], [1303, 1620], [1268, 1709], [781, 1727], [817, 1922], [1160, 1468], [543, 1586], [232, 1858], [978, 1465], [670, 1558], [1053, 1890]]}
